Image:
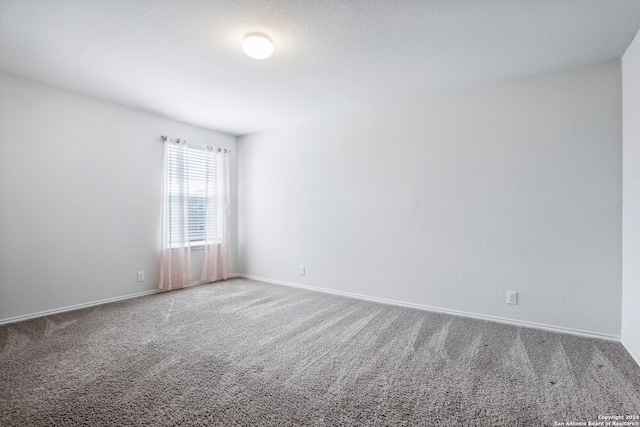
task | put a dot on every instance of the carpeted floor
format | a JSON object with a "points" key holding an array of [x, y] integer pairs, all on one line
{"points": [[248, 353]]}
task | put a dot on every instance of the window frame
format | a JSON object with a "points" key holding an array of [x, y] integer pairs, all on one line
{"points": [[199, 179]]}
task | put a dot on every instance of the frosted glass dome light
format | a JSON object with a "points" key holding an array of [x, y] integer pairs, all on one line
{"points": [[257, 46]]}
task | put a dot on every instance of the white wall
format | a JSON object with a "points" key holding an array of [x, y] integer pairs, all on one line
{"points": [[451, 200], [79, 196], [631, 197]]}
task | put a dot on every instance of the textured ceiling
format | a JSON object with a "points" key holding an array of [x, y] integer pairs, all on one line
{"points": [[183, 59]]}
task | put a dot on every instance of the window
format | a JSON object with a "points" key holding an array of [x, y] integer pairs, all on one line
{"points": [[190, 172]]}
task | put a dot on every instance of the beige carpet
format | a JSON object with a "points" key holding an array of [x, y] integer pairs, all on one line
{"points": [[249, 353]]}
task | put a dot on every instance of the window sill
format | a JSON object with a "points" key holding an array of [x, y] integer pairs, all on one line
{"points": [[197, 246]]}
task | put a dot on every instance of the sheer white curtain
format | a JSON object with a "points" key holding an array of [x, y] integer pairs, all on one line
{"points": [[216, 247], [195, 213], [175, 259]]}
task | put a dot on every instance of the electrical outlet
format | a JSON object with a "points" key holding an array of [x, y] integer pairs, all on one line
{"points": [[512, 297], [301, 270], [140, 276]]}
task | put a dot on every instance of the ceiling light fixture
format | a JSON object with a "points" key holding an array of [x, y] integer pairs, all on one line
{"points": [[257, 45]]}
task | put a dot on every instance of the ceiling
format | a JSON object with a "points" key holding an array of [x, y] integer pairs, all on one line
{"points": [[183, 59]]}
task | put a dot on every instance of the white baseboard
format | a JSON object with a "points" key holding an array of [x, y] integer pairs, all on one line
{"points": [[522, 323], [513, 322], [76, 307], [89, 304], [634, 355]]}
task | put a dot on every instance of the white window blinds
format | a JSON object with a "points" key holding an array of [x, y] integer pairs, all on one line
{"points": [[188, 171]]}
